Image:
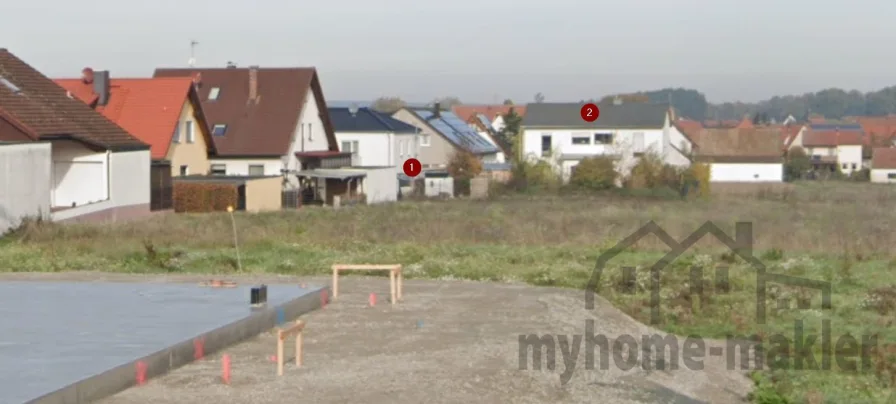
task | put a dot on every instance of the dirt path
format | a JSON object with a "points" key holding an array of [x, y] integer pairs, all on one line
{"points": [[466, 349]]}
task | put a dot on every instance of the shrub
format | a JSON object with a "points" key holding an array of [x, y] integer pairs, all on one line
{"points": [[464, 164], [204, 197], [529, 176], [696, 176], [651, 172], [596, 173]]}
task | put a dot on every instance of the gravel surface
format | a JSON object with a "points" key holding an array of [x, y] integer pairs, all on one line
{"points": [[447, 342]]}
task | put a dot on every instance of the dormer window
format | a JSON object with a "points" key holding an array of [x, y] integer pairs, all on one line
{"points": [[219, 130], [213, 94]]}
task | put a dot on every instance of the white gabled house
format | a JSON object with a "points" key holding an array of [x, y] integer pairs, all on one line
{"points": [[832, 146], [557, 133], [374, 139]]}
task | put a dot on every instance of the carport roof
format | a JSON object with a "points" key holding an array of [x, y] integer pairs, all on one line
{"points": [[338, 174]]}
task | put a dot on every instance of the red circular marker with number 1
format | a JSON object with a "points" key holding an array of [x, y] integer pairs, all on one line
{"points": [[590, 112], [412, 168]]}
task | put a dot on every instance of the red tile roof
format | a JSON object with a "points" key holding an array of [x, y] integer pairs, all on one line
{"points": [[832, 138], [878, 130], [264, 127], [688, 127], [149, 109], [36, 102], [467, 112], [883, 157]]}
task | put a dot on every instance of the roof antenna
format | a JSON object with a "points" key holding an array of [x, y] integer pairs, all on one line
{"points": [[192, 61], [353, 109]]}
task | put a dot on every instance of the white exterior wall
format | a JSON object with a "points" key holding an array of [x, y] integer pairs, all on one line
{"points": [[850, 155], [746, 172], [374, 149], [80, 176], [497, 157], [405, 146], [381, 184], [25, 178], [272, 166], [679, 144], [308, 136], [882, 175], [498, 123], [623, 145], [381, 149], [127, 182]]}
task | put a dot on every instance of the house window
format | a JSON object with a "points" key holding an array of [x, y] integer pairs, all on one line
{"points": [[351, 146], [188, 126], [603, 138], [176, 137], [891, 176], [401, 148], [845, 166], [219, 169], [310, 134], [213, 94], [581, 140], [219, 130], [853, 166], [184, 170], [546, 145], [424, 140], [256, 169]]}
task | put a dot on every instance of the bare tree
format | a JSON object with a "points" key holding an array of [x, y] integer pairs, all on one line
{"points": [[446, 102], [508, 102], [388, 105]]}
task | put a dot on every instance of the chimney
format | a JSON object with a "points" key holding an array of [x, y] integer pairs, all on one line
{"points": [[253, 83], [436, 110], [101, 87], [87, 75]]}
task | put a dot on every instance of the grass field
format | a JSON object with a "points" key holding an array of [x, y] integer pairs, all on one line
{"points": [[836, 232]]}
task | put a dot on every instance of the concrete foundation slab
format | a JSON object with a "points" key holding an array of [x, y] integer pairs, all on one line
{"points": [[65, 342]]}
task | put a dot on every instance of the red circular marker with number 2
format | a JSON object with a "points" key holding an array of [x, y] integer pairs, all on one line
{"points": [[590, 112], [412, 167]]}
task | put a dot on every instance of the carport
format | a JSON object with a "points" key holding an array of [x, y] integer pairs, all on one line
{"points": [[319, 186]]}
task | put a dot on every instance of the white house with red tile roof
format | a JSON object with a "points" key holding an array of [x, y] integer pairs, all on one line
{"points": [[832, 146], [883, 165]]}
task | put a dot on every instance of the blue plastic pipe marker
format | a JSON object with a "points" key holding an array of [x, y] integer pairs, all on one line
{"points": [[281, 316]]}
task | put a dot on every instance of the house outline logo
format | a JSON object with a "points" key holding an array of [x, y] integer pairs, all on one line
{"points": [[741, 245]]}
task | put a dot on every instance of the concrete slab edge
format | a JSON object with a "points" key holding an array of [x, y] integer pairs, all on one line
{"points": [[118, 379]]}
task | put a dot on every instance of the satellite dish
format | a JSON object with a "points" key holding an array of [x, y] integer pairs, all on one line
{"points": [[353, 109]]}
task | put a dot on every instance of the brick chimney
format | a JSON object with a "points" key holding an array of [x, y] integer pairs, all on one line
{"points": [[253, 83], [436, 110]]}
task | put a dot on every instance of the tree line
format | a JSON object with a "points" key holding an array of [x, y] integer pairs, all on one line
{"points": [[832, 103]]}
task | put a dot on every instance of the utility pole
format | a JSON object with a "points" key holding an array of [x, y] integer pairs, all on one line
{"points": [[192, 61]]}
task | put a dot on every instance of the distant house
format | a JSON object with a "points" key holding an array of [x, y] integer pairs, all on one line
{"points": [[98, 171], [556, 132], [832, 146], [442, 133], [740, 155], [883, 165], [879, 132], [264, 121], [373, 138], [493, 113], [164, 112]]}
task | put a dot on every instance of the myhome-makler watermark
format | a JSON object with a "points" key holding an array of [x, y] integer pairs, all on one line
{"points": [[798, 350]]}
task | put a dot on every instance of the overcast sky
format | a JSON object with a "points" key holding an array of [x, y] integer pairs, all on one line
{"points": [[478, 50]]}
